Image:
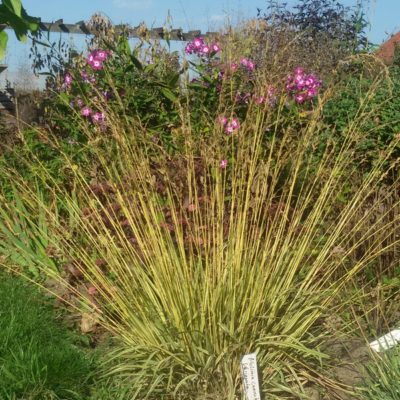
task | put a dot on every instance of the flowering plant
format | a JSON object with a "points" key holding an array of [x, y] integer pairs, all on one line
{"points": [[145, 84], [301, 86], [140, 83]]}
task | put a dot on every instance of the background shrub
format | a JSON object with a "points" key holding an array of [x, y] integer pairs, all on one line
{"points": [[379, 101]]}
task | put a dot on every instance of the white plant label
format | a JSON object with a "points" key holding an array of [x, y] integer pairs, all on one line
{"points": [[387, 341], [251, 384]]}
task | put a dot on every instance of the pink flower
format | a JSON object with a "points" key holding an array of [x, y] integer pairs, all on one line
{"points": [[215, 48], [312, 92], [79, 102], [291, 87], [189, 49], [251, 66], [234, 66], [97, 65], [232, 126], [223, 120], [90, 58], [67, 79], [248, 64], [299, 71], [86, 111], [229, 129], [205, 49], [300, 98], [260, 100], [303, 87], [235, 123], [200, 47], [198, 43], [312, 81], [223, 164], [96, 58], [101, 55], [98, 117], [300, 82], [271, 90]]}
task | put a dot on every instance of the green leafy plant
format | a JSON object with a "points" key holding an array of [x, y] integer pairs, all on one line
{"points": [[381, 105], [14, 15], [30, 238]]}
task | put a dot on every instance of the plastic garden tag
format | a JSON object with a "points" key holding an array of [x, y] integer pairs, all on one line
{"points": [[387, 341], [248, 367]]}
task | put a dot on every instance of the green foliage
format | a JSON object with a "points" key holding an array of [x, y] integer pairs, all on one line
{"points": [[26, 233], [39, 358], [143, 93], [383, 377], [40, 158], [379, 101], [13, 14]]}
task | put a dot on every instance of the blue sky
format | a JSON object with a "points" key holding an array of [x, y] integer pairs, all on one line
{"points": [[384, 15]]}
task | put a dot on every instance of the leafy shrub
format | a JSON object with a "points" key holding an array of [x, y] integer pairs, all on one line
{"points": [[378, 100], [313, 33], [343, 25], [145, 92]]}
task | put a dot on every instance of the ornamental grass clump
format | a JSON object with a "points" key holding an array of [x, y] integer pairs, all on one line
{"points": [[193, 258]]}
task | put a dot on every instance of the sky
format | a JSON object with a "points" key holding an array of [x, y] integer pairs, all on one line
{"points": [[207, 15]]}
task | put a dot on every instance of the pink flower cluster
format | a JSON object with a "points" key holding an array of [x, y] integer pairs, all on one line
{"points": [[96, 117], [229, 125], [248, 64], [87, 78], [67, 80], [270, 97], [96, 59], [302, 86], [200, 47]]}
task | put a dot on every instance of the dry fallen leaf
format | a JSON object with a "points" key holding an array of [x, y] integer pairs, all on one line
{"points": [[89, 322]]}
